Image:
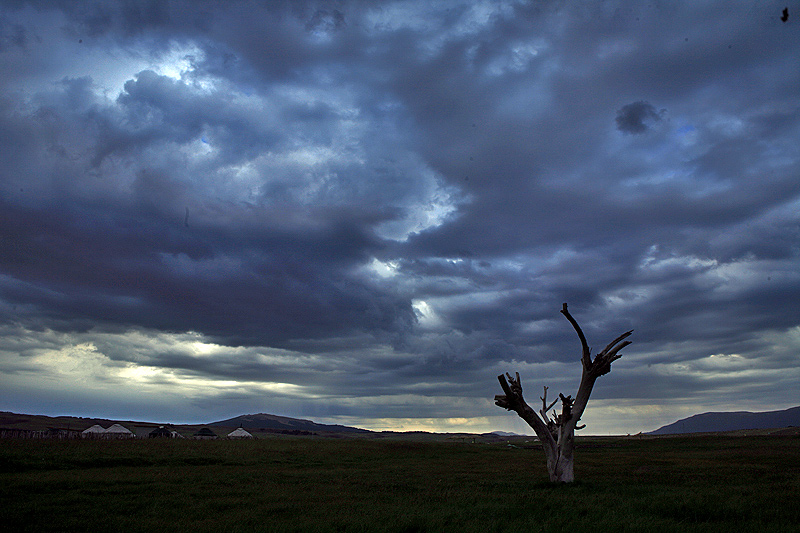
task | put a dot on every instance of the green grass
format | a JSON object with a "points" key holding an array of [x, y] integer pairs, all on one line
{"points": [[316, 484]]}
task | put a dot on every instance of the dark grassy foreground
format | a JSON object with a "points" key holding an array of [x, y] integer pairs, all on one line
{"points": [[316, 484]]}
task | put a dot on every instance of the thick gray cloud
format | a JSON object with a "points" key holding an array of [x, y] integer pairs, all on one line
{"points": [[364, 211], [635, 117]]}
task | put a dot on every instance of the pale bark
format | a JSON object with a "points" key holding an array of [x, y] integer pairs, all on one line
{"points": [[557, 434]]}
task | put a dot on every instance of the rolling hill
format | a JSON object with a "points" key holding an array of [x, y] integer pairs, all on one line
{"points": [[275, 422], [732, 421]]}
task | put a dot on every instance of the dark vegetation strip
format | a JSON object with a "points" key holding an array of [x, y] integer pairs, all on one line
{"points": [[288, 484]]}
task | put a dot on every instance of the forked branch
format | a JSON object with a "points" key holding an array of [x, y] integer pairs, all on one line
{"points": [[514, 401], [602, 361], [546, 407]]}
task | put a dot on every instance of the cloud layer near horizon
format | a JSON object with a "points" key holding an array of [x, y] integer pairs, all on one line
{"points": [[363, 212]]}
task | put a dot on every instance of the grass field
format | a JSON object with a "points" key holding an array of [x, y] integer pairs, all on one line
{"points": [[317, 484]]}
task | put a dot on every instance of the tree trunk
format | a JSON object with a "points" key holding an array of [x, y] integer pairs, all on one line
{"points": [[560, 460], [557, 434]]}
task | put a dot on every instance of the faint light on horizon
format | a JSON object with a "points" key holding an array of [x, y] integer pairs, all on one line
{"points": [[478, 424]]}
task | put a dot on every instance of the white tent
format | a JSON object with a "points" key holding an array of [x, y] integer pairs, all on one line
{"points": [[118, 432], [95, 431], [240, 433]]}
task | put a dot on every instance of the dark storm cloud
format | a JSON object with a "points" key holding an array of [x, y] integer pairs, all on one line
{"points": [[396, 198], [155, 273], [129, 259], [633, 118]]}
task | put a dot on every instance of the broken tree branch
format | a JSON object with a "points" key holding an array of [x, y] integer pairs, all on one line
{"points": [[545, 407], [602, 362], [586, 351], [514, 401]]}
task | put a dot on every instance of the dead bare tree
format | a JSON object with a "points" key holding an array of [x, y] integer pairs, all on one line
{"points": [[557, 433]]}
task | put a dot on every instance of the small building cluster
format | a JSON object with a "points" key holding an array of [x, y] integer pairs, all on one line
{"points": [[116, 431], [207, 434]]}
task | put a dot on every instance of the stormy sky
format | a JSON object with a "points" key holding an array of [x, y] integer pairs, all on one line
{"points": [[363, 212]]}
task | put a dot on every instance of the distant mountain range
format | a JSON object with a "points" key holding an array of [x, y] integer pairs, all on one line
{"points": [[732, 421], [275, 422], [702, 423], [265, 422]]}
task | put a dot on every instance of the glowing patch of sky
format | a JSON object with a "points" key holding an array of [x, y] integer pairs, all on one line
{"points": [[425, 314], [109, 66], [383, 269], [428, 212]]}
